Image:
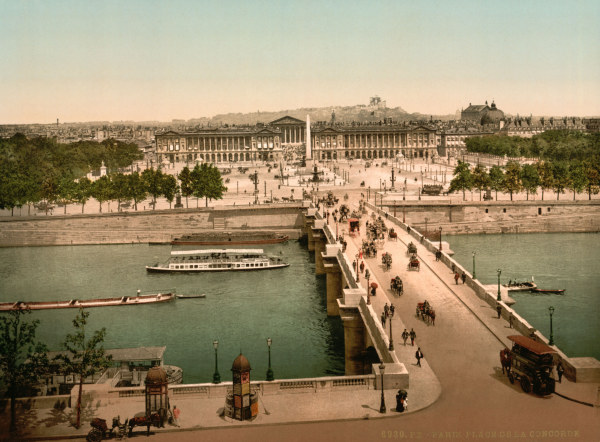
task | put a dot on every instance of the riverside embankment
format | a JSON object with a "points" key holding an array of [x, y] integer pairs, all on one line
{"points": [[146, 226], [427, 214]]}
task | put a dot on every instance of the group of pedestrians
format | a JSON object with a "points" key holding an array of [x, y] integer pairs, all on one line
{"points": [[388, 312], [458, 276]]}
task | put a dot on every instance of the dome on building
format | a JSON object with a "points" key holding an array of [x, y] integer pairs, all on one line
{"points": [[156, 375], [494, 113], [241, 364]]}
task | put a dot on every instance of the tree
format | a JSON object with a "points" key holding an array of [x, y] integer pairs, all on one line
{"points": [[136, 190], [153, 181], [560, 172], [23, 360], [186, 184], [592, 171], [546, 176], [84, 357], [530, 179], [101, 190], [83, 192], [169, 187], [67, 189], [481, 179], [463, 180], [578, 180], [119, 184], [496, 179], [512, 178]]}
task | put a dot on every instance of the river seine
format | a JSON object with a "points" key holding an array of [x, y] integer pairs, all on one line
{"points": [[568, 261], [241, 309]]}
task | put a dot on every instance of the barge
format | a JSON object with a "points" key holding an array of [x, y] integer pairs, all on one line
{"points": [[228, 238], [87, 303]]}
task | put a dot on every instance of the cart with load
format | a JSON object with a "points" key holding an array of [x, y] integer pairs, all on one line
{"points": [[386, 260]]}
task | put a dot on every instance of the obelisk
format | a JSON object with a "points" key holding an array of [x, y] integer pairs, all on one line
{"points": [[308, 146]]}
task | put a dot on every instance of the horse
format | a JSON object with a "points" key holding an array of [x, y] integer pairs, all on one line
{"points": [[392, 235], [505, 360], [154, 419]]}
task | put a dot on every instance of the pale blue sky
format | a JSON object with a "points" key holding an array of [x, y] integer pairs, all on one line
{"points": [[159, 60]]}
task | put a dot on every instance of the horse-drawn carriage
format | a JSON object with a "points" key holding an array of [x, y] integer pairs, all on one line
{"points": [[369, 249], [377, 228], [386, 260], [353, 226], [414, 263], [344, 212], [396, 286], [425, 312], [531, 363], [330, 200], [100, 429], [392, 234], [411, 249]]}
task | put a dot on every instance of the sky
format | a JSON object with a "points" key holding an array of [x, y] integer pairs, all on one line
{"points": [[106, 60]]}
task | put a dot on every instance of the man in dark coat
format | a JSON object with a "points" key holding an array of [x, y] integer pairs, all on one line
{"points": [[419, 356]]}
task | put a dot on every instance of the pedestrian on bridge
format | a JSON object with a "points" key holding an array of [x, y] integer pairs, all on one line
{"points": [[463, 277], [419, 356], [405, 336], [413, 335], [383, 316], [386, 310], [456, 276], [392, 308], [499, 309]]}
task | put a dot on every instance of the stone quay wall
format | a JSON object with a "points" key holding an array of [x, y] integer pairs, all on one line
{"points": [[147, 226], [498, 216]]}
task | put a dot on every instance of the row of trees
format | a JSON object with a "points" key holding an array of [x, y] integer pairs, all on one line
{"points": [[34, 170], [576, 176], [24, 360], [202, 182], [551, 145]]}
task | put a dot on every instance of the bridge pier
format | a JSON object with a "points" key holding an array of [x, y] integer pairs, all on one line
{"points": [[319, 243], [354, 341]]}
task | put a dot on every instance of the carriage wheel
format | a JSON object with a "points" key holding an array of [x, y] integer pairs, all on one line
{"points": [[511, 378], [525, 384], [95, 435]]}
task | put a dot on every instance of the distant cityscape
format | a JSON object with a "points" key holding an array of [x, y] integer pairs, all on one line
{"points": [[361, 131]]}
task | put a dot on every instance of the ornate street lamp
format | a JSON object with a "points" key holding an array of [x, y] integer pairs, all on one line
{"points": [[499, 298], [382, 406], [440, 238], [474, 277], [551, 310], [391, 346], [269, 370], [357, 272], [368, 276], [216, 376]]}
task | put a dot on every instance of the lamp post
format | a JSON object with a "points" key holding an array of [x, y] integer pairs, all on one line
{"points": [[357, 272], [269, 370], [474, 277], [391, 346], [440, 238], [382, 406], [368, 276], [551, 310], [499, 298], [216, 376]]}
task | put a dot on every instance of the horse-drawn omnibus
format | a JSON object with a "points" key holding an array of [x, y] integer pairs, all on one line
{"points": [[531, 363]]}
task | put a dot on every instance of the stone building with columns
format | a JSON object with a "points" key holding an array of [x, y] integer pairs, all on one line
{"points": [[372, 141], [269, 142], [220, 145]]}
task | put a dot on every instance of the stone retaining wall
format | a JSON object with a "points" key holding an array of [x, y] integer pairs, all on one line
{"points": [[143, 227]]}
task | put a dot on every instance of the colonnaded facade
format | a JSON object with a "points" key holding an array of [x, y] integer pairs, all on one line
{"points": [[285, 138]]}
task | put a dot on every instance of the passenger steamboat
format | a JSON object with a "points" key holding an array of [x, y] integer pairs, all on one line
{"points": [[218, 260]]}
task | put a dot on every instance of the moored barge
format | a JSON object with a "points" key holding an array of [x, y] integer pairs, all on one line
{"points": [[228, 238], [87, 303]]}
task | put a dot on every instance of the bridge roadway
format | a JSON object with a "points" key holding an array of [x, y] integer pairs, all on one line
{"points": [[476, 402]]}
